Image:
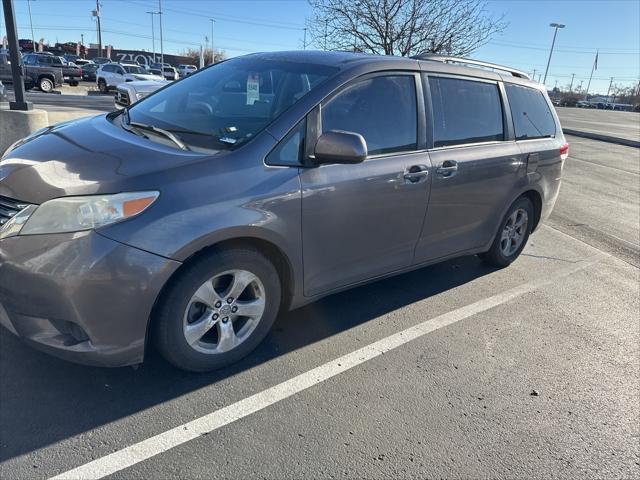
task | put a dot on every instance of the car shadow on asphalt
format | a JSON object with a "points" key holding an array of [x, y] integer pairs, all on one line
{"points": [[44, 400]]}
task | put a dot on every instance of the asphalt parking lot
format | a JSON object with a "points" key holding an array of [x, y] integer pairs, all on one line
{"points": [[530, 371], [624, 125]]}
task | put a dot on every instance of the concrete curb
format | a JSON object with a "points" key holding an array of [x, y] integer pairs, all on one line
{"points": [[603, 138], [17, 124]]}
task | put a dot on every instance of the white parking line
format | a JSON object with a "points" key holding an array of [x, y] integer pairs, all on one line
{"points": [[169, 439]]}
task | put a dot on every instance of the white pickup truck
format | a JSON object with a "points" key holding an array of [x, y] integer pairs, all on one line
{"points": [[129, 93]]}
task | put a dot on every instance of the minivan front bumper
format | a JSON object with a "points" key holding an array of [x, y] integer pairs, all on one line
{"points": [[80, 296]]}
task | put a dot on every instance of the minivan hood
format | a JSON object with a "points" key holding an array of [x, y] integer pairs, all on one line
{"points": [[84, 157]]}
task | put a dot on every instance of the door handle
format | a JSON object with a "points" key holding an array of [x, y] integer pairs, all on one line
{"points": [[415, 173], [447, 169]]}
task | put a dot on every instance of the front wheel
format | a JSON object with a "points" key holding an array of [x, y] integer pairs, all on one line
{"points": [[102, 86], [217, 310], [512, 235]]}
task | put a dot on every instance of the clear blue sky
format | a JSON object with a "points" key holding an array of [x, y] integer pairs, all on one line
{"points": [[244, 26]]}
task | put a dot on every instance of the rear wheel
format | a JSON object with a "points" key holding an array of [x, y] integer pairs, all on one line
{"points": [[46, 85], [218, 310], [512, 235]]}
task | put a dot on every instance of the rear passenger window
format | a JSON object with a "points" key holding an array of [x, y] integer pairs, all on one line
{"points": [[382, 109], [465, 111], [531, 115]]}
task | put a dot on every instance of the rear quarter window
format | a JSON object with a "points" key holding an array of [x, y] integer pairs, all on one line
{"points": [[532, 117]]}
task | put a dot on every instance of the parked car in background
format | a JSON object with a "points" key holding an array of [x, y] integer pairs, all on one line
{"points": [[191, 219], [71, 58], [101, 60], [186, 70], [110, 75], [42, 74], [128, 93], [71, 73], [169, 73], [83, 61], [89, 72]]}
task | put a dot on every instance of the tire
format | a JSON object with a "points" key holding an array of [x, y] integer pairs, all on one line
{"points": [[102, 86], [511, 239], [46, 85], [180, 317]]}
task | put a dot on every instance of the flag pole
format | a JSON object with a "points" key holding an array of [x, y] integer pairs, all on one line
{"points": [[593, 67]]}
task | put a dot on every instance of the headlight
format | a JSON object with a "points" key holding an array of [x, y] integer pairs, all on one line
{"points": [[73, 214]]}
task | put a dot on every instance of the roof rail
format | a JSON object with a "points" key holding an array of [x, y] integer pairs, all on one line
{"points": [[468, 61]]}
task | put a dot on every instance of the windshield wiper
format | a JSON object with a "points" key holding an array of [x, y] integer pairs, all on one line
{"points": [[151, 128]]}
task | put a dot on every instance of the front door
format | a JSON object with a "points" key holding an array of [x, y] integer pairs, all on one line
{"points": [[361, 221]]}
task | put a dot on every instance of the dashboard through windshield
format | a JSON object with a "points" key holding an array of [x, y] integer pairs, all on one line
{"points": [[224, 106]]}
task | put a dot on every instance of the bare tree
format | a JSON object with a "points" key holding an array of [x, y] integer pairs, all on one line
{"points": [[403, 27], [195, 55]]}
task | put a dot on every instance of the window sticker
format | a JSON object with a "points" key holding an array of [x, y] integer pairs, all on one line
{"points": [[253, 88]]}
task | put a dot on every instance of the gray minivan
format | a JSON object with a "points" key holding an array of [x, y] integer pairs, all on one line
{"points": [[260, 184]]}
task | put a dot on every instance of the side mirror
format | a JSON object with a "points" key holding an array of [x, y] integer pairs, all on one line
{"points": [[340, 147]]}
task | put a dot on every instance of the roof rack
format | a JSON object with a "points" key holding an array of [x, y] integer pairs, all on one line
{"points": [[468, 61]]}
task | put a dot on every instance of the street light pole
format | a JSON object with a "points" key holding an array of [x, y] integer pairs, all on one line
{"points": [[33, 37], [16, 60], [161, 43], [571, 86], [153, 36], [555, 32], [304, 41]]}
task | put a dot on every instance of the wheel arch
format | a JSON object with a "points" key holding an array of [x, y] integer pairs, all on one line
{"points": [[273, 252], [536, 200], [48, 76]]}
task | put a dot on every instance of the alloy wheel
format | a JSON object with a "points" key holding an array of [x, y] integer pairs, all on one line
{"points": [[224, 311], [514, 232]]}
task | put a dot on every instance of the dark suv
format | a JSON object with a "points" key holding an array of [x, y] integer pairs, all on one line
{"points": [[260, 184]]}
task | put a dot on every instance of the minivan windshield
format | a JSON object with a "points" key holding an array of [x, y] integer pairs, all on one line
{"points": [[224, 106]]}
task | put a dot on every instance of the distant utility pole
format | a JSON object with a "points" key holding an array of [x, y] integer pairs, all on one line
{"points": [[153, 36], [33, 37], [96, 13], [571, 86], [304, 40], [326, 28], [555, 32], [534, 75], [609, 89], [581, 82], [82, 44], [161, 43], [213, 53]]}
